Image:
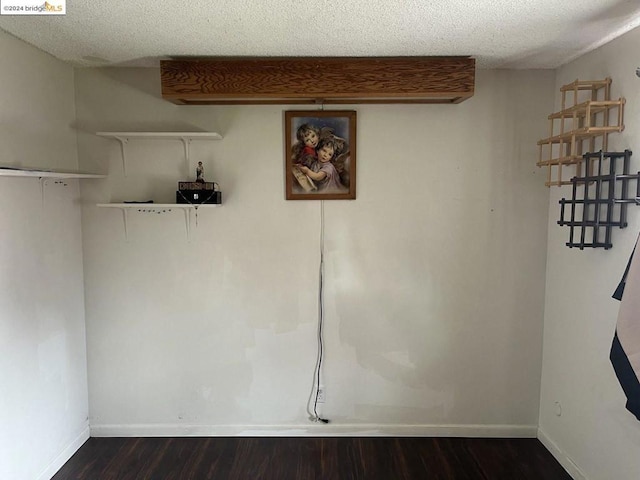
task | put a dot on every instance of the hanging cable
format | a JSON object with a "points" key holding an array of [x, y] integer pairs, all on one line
{"points": [[315, 390]]}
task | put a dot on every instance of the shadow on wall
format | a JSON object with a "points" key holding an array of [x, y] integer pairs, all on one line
{"points": [[112, 92]]}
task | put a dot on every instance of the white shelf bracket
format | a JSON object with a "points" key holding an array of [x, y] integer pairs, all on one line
{"points": [[41, 181], [123, 141], [185, 142], [125, 219], [187, 221]]}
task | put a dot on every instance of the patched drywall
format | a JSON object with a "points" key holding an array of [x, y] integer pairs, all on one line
{"points": [[434, 274]]}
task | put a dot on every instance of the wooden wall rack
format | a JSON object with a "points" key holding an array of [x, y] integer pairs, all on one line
{"points": [[582, 125], [309, 80]]}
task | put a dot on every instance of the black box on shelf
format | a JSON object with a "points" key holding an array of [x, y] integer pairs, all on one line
{"points": [[198, 197]]}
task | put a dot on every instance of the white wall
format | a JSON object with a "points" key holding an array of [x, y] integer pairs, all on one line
{"points": [[595, 437], [43, 376], [434, 275]]}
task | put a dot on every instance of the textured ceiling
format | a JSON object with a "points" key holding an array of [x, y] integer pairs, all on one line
{"points": [[498, 33]]}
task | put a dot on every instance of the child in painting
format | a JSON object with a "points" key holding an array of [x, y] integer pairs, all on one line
{"points": [[304, 150], [323, 172]]}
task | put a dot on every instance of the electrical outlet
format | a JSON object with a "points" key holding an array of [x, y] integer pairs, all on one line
{"points": [[322, 394]]}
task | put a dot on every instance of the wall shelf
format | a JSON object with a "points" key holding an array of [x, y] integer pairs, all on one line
{"points": [[29, 172], [185, 137], [44, 175], [157, 205], [157, 208]]}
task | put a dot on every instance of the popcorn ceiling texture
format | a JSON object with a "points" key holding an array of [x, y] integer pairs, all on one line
{"points": [[498, 33]]}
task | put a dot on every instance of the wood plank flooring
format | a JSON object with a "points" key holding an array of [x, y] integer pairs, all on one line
{"points": [[302, 458]]}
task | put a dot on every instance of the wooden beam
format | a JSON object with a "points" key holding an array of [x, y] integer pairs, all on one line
{"points": [[341, 80]]}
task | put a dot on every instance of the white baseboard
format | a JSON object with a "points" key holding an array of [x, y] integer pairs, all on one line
{"points": [[65, 455], [315, 430], [562, 458]]}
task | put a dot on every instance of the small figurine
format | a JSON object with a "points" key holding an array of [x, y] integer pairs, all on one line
{"points": [[200, 173]]}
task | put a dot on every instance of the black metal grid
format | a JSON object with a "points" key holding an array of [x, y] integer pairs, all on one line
{"points": [[603, 203]]}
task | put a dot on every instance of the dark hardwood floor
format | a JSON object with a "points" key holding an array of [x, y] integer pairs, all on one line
{"points": [[302, 458]]}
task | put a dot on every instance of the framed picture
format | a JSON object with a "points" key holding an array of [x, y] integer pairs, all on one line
{"points": [[320, 155]]}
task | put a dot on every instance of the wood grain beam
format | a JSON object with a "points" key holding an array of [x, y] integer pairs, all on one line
{"points": [[341, 80]]}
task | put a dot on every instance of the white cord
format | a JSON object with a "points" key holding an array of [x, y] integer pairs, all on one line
{"points": [[315, 390]]}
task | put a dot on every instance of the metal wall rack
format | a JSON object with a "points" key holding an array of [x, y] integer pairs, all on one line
{"points": [[604, 196]]}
